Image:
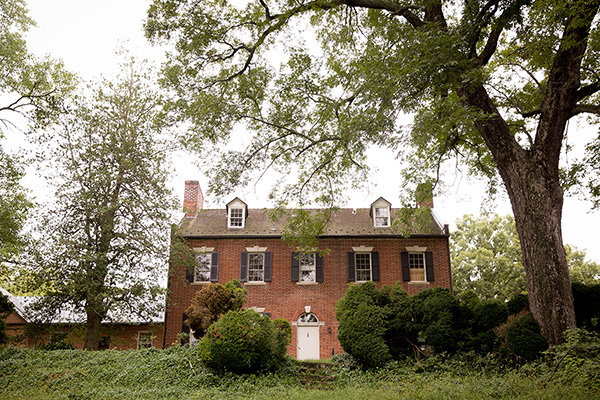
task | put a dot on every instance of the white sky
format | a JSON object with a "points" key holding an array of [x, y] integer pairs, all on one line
{"points": [[85, 35]]}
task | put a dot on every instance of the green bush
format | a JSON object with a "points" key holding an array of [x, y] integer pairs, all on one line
{"points": [[6, 308], [578, 358], [524, 338], [517, 303], [244, 342], [587, 309]]}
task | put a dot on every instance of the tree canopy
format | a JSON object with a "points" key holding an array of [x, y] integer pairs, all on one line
{"points": [[492, 85], [104, 241], [486, 258]]}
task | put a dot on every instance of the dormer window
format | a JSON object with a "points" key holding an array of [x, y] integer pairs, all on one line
{"points": [[236, 217], [382, 217], [380, 212], [236, 214]]}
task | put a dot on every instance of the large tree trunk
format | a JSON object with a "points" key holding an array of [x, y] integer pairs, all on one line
{"points": [[537, 201], [531, 179], [91, 340]]}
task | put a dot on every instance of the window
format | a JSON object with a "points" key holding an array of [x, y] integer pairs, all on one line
{"points": [[382, 216], [363, 267], [236, 217], [363, 264], [307, 267], [202, 270], [206, 268], [307, 318], [144, 340], [256, 264], [416, 263]]}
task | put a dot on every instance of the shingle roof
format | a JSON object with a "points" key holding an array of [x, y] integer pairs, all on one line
{"points": [[346, 222], [67, 315]]}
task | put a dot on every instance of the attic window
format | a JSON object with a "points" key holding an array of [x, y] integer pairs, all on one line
{"points": [[236, 217], [381, 213], [382, 217]]}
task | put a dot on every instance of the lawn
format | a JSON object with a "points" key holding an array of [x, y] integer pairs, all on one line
{"points": [[177, 374]]}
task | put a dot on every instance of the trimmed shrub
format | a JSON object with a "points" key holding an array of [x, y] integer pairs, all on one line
{"points": [[244, 342], [524, 339], [587, 309], [517, 303]]}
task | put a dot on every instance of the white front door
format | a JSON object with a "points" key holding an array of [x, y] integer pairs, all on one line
{"points": [[308, 342]]}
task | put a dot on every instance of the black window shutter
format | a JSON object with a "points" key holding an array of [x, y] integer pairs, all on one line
{"points": [[351, 269], [405, 266], [295, 268], [267, 266], [185, 329], [243, 267], [429, 266], [319, 277], [214, 267], [190, 271], [375, 266]]}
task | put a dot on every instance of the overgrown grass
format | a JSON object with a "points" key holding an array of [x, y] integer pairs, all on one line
{"points": [[177, 374]]}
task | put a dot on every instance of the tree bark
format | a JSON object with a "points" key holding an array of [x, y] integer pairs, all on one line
{"points": [[91, 340]]}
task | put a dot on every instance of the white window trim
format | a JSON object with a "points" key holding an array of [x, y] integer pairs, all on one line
{"points": [[207, 282], [261, 282], [243, 218], [356, 266], [314, 268], [388, 217], [362, 249], [422, 254]]}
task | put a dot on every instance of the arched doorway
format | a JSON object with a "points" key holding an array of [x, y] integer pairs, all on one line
{"points": [[308, 337]]}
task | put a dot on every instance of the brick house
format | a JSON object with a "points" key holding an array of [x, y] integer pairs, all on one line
{"points": [[124, 332], [301, 286]]}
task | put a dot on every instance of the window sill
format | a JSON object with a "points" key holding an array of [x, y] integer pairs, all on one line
{"points": [[201, 283], [418, 283], [255, 283], [307, 283]]}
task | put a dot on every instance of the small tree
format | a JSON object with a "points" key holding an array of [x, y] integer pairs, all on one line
{"points": [[212, 302], [244, 342]]}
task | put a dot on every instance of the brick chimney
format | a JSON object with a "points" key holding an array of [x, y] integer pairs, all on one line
{"points": [[424, 195], [193, 200]]}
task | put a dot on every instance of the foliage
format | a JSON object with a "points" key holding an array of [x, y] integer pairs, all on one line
{"points": [[14, 206], [244, 342], [524, 339], [210, 303], [177, 373], [30, 87], [376, 326], [6, 308], [486, 258], [492, 87], [104, 243], [517, 303], [578, 359], [587, 311]]}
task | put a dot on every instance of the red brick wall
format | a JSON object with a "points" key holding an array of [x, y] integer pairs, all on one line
{"points": [[283, 298], [122, 337]]}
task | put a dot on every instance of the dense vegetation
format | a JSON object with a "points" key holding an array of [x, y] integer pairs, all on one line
{"points": [[177, 373], [380, 325]]}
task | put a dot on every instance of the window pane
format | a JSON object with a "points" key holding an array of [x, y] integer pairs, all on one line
{"points": [[416, 261], [363, 266], [202, 271], [307, 267], [235, 216], [255, 267], [382, 216]]}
